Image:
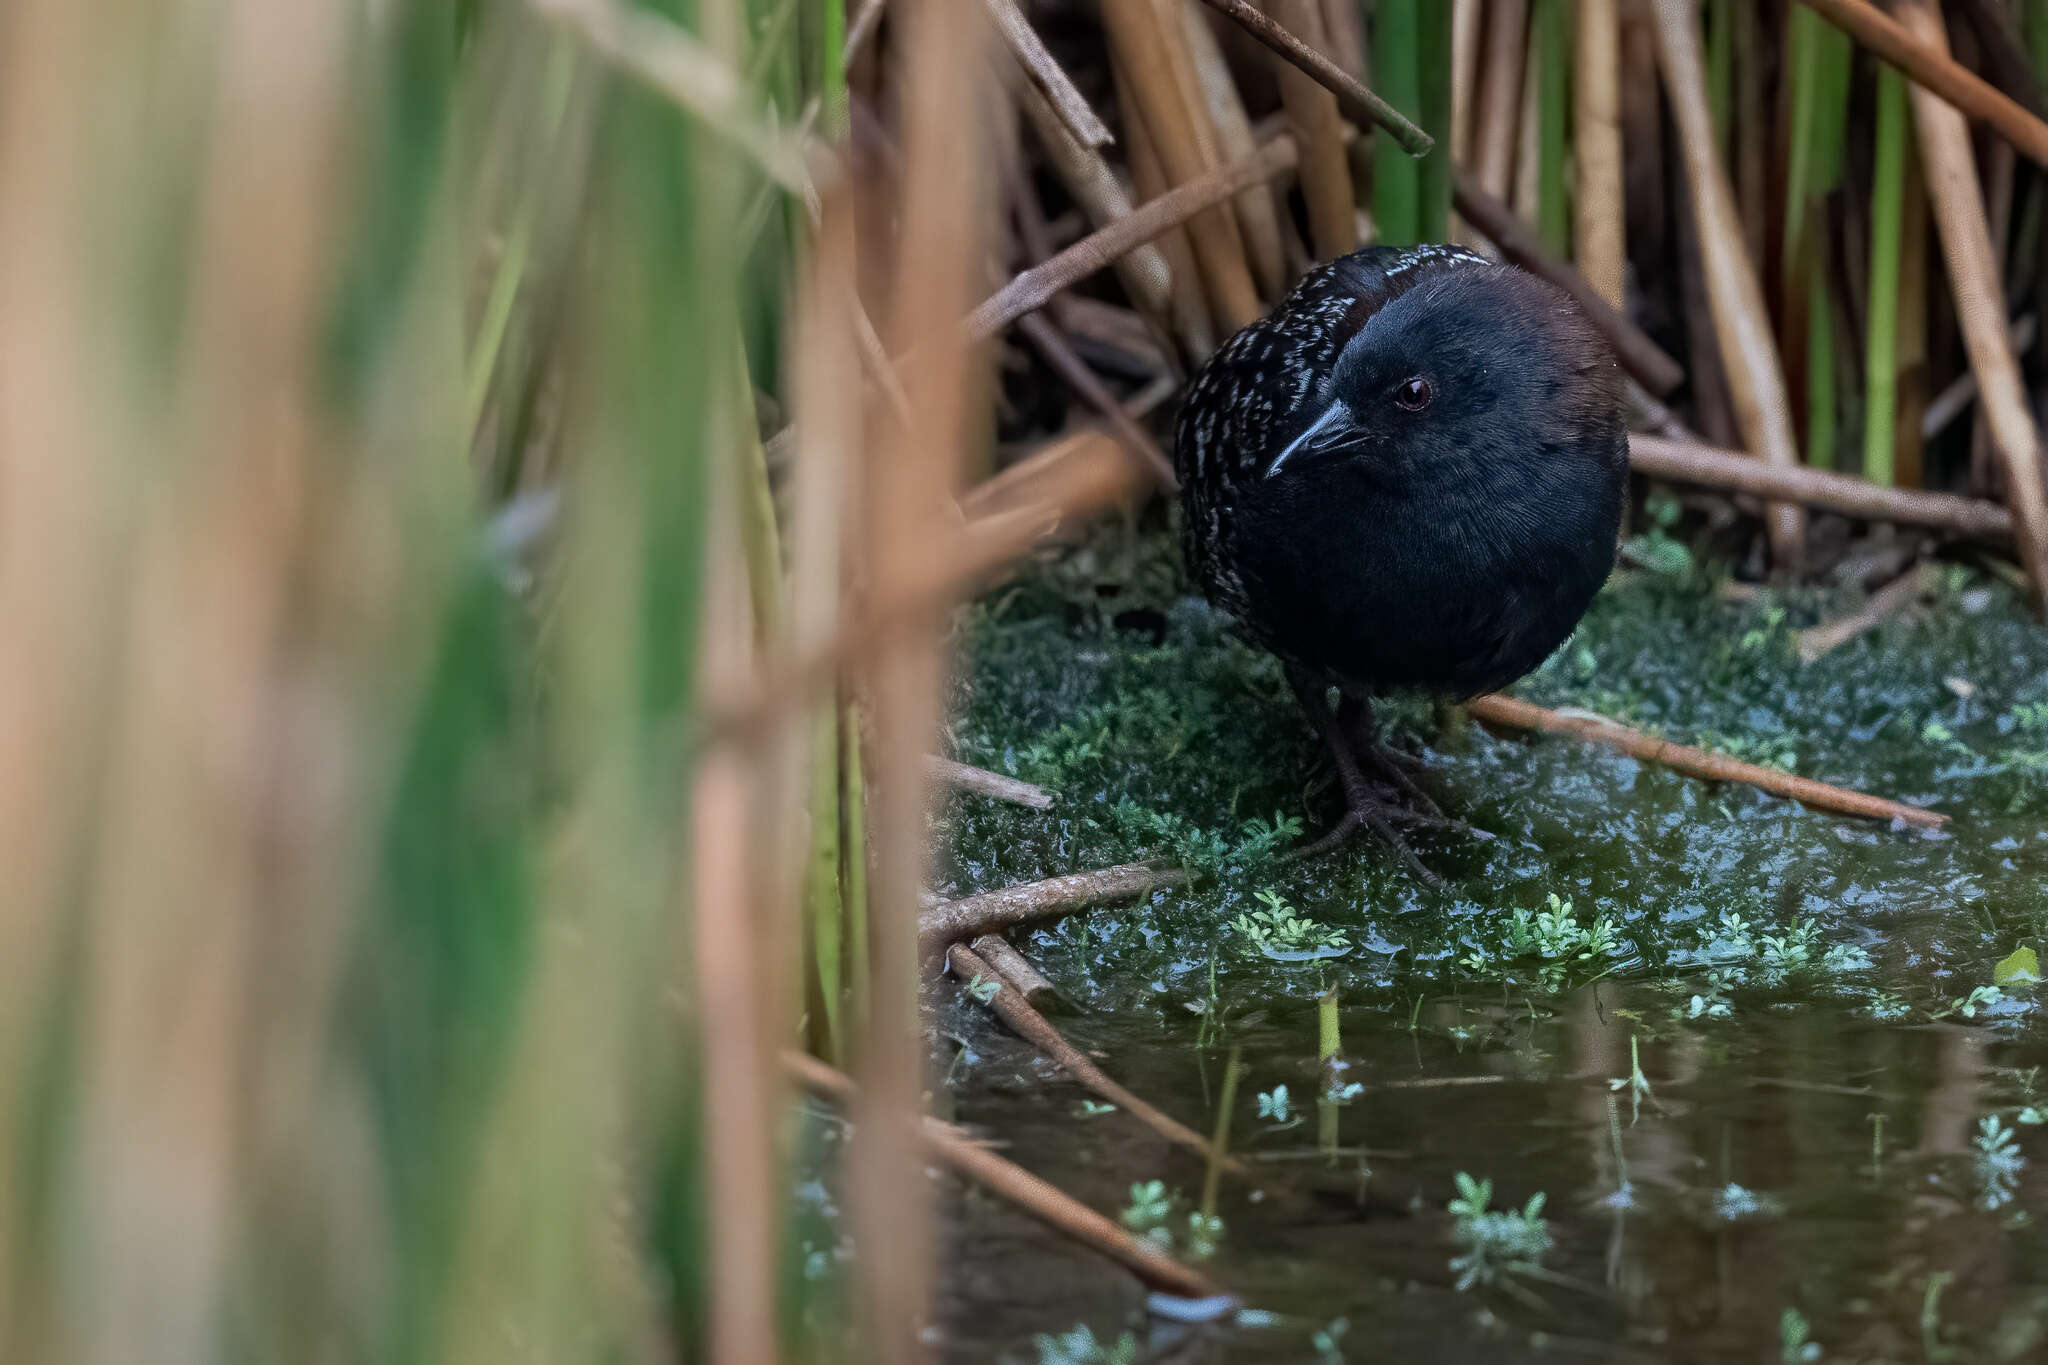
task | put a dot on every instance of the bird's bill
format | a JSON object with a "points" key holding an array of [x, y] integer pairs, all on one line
{"points": [[1334, 415]]}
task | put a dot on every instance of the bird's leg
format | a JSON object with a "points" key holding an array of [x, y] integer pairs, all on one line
{"points": [[1354, 719], [1363, 807]]}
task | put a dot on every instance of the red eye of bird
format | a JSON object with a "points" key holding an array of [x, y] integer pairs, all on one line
{"points": [[1413, 394]]}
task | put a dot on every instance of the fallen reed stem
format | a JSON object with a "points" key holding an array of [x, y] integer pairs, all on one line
{"points": [[982, 782], [1887, 602], [1041, 1199], [1712, 467], [1934, 71], [1515, 714], [1017, 971], [1027, 1023], [1028, 902], [1362, 103], [1033, 288]]}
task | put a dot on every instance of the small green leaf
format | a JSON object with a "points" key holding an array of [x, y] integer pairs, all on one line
{"points": [[2020, 968]]}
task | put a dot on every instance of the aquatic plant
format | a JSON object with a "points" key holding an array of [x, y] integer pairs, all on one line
{"points": [[1494, 1242]]}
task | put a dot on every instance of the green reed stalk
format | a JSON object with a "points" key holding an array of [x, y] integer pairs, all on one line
{"points": [[1219, 1141], [1887, 208], [1721, 69], [1818, 64], [1397, 76]]}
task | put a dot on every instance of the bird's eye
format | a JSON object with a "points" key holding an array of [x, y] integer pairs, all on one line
{"points": [[1414, 393]]}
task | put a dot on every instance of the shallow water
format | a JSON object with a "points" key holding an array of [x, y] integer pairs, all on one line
{"points": [[1806, 1134]]}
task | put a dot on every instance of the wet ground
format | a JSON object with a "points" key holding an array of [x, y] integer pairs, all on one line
{"points": [[1754, 1059]]}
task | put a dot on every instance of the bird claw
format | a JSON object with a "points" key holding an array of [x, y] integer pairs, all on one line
{"points": [[1379, 819]]}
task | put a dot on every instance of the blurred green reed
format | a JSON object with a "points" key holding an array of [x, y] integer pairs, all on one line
{"points": [[1887, 212], [1410, 52], [463, 1113], [1818, 65]]}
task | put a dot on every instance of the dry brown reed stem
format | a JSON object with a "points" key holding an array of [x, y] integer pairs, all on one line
{"points": [[1318, 132], [1980, 303], [1467, 27], [1257, 220], [1362, 104], [742, 1129], [1047, 76], [1596, 150], [1512, 713], [1029, 902], [665, 57], [1046, 337], [947, 209], [1045, 1202], [1027, 1023], [219, 819], [1742, 323], [1144, 51], [1084, 473], [1712, 467], [1087, 177], [1494, 220], [1016, 969], [1922, 53], [1502, 59], [981, 782], [1887, 602], [1032, 288], [1189, 304]]}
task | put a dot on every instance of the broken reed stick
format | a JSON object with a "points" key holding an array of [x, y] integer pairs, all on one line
{"points": [[1031, 289], [1016, 969], [1742, 324], [1027, 902], [1047, 75], [1491, 218], [1913, 50], [1363, 104], [1319, 132], [1041, 1199], [982, 782], [1887, 602], [1515, 714], [1712, 467], [1973, 274], [1014, 1010]]}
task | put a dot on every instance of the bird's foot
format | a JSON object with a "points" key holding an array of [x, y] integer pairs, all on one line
{"points": [[1394, 767], [1365, 812]]}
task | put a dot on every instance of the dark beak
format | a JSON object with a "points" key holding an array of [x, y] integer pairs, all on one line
{"points": [[1334, 415]]}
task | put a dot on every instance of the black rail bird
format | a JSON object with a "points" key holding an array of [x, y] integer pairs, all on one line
{"points": [[1408, 477]]}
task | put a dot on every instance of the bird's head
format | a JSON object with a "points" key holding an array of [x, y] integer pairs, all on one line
{"points": [[1480, 370]]}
